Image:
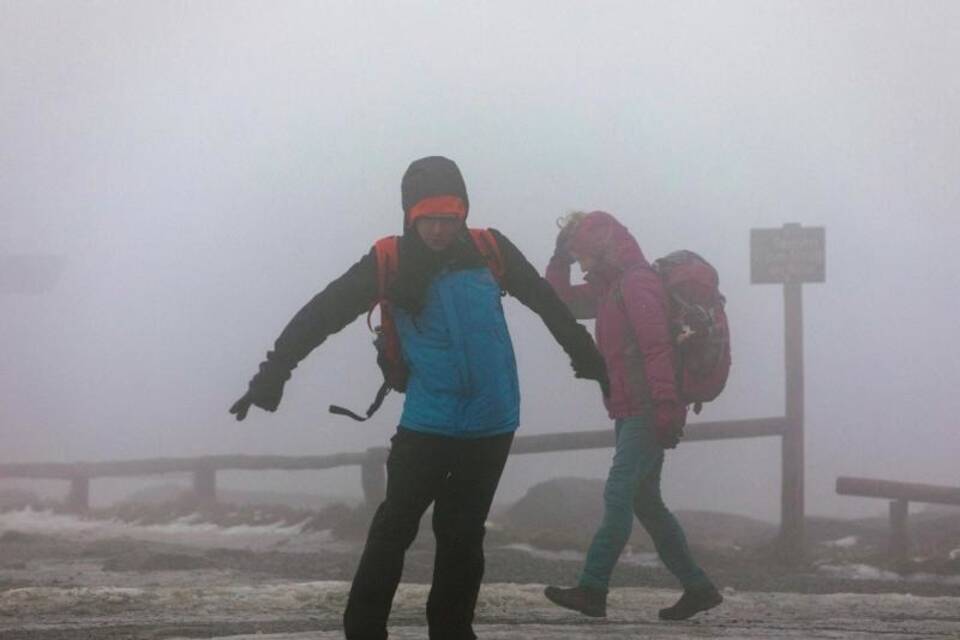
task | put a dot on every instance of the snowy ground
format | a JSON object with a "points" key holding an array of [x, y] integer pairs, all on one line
{"points": [[504, 611], [65, 578]]}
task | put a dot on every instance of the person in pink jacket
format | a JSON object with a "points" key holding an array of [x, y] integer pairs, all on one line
{"points": [[627, 298]]}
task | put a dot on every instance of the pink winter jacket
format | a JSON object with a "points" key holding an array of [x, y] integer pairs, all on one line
{"points": [[627, 299]]}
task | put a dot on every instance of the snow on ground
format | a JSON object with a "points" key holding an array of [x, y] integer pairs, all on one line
{"points": [[219, 603], [629, 557], [192, 532], [504, 611], [187, 530], [866, 572], [519, 611], [227, 600], [618, 632], [843, 543]]}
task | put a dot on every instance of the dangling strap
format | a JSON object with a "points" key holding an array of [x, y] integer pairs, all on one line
{"points": [[377, 401], [386, 250]]}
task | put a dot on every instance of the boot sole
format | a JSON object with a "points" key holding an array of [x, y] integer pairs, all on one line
{"points": [[587, 612], [713, 604]]}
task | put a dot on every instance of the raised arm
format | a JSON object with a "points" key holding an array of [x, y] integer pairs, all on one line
{"points": [[581, 299], [522, 281], [328, 312]]}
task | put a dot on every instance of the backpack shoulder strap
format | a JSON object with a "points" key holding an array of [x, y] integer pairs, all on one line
{"points": [[388, 258], [617, 291], [387, 251], [486, 244]]}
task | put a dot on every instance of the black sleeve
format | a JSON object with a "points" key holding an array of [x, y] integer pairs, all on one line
{"points": [[522, 280], [339, 304]]}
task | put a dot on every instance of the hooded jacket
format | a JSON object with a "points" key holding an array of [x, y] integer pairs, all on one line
{"points": [[627, 298], [463, 378]]}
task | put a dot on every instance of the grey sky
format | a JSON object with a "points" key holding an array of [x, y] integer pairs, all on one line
{"points": [[205, 167]]}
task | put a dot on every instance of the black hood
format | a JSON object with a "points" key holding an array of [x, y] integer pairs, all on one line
{"points": [[429, 177]]}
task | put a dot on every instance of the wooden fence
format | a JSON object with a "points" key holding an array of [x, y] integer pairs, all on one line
{"points": [[371, 462]]}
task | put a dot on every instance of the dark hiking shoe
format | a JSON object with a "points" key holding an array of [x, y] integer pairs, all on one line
{"points": [[589, 602], [692, 601]]}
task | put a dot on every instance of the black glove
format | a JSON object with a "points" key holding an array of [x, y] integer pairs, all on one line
{"points": [[669, 418], [561, 251], [592, 367], [266, 390]]}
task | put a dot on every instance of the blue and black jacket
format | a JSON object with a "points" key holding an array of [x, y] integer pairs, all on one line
{"points": [[463, 375]]}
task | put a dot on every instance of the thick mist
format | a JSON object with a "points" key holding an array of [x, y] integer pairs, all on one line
{"points": [[200, 170]]}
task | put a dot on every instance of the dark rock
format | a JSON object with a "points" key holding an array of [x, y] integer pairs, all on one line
{"points": [[158, 562], [13, 536]]}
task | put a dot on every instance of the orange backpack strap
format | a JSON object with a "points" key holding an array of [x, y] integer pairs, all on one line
{"points": [[388, 258], [486, 244], [387, 342]]}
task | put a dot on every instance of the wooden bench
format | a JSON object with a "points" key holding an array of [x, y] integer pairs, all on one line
{"points": [[900, 494]]}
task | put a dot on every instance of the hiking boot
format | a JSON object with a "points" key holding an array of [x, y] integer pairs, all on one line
{"points": [[692, 602], [589, 602]]}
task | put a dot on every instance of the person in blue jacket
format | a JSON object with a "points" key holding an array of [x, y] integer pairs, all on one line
{"points": [[462, 402]]}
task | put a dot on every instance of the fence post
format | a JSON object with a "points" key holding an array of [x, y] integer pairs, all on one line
{"points": [[373, 476], [78, 500], [899, 534], [205, 486]]}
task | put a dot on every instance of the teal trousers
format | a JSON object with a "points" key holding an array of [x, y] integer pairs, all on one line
{"points": [[633, 488]]}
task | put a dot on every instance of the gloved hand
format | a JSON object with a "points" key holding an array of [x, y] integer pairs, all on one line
{"points": [[669, 418], [561, 251], [265, 391], [592, 367]]}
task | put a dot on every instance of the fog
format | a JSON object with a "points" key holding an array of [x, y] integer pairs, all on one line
{"points": [[200, 170]]}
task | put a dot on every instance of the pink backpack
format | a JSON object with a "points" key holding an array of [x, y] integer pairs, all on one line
{"points": [[698, 325]]}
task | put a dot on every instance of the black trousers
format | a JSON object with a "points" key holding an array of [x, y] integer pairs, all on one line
{"points": [[459, 476]]}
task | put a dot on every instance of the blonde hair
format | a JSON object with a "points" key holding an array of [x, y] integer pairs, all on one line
{"points": [[571, 219]]}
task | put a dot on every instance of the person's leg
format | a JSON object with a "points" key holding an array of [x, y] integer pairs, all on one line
{"points": [[414, 472], [459, 514], [699, 593], [590, 595], [661, 524], [614, 531]]}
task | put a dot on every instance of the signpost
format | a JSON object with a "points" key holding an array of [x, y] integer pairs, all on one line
{"points": [[790, 256]]}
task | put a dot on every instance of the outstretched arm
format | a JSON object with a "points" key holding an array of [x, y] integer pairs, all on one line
{"points": [[522, 281], [327, 313]]}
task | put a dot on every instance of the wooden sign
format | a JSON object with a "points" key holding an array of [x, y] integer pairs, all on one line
{"points": [[790, 254]]}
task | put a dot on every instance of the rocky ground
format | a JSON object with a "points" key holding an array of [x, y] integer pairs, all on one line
{"points": [[167, 569]]}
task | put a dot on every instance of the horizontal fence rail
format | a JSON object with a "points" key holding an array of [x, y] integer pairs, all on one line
{"points": [[371, 461], [908, 491], [600, 439], [544, 443], [156, 466]]}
